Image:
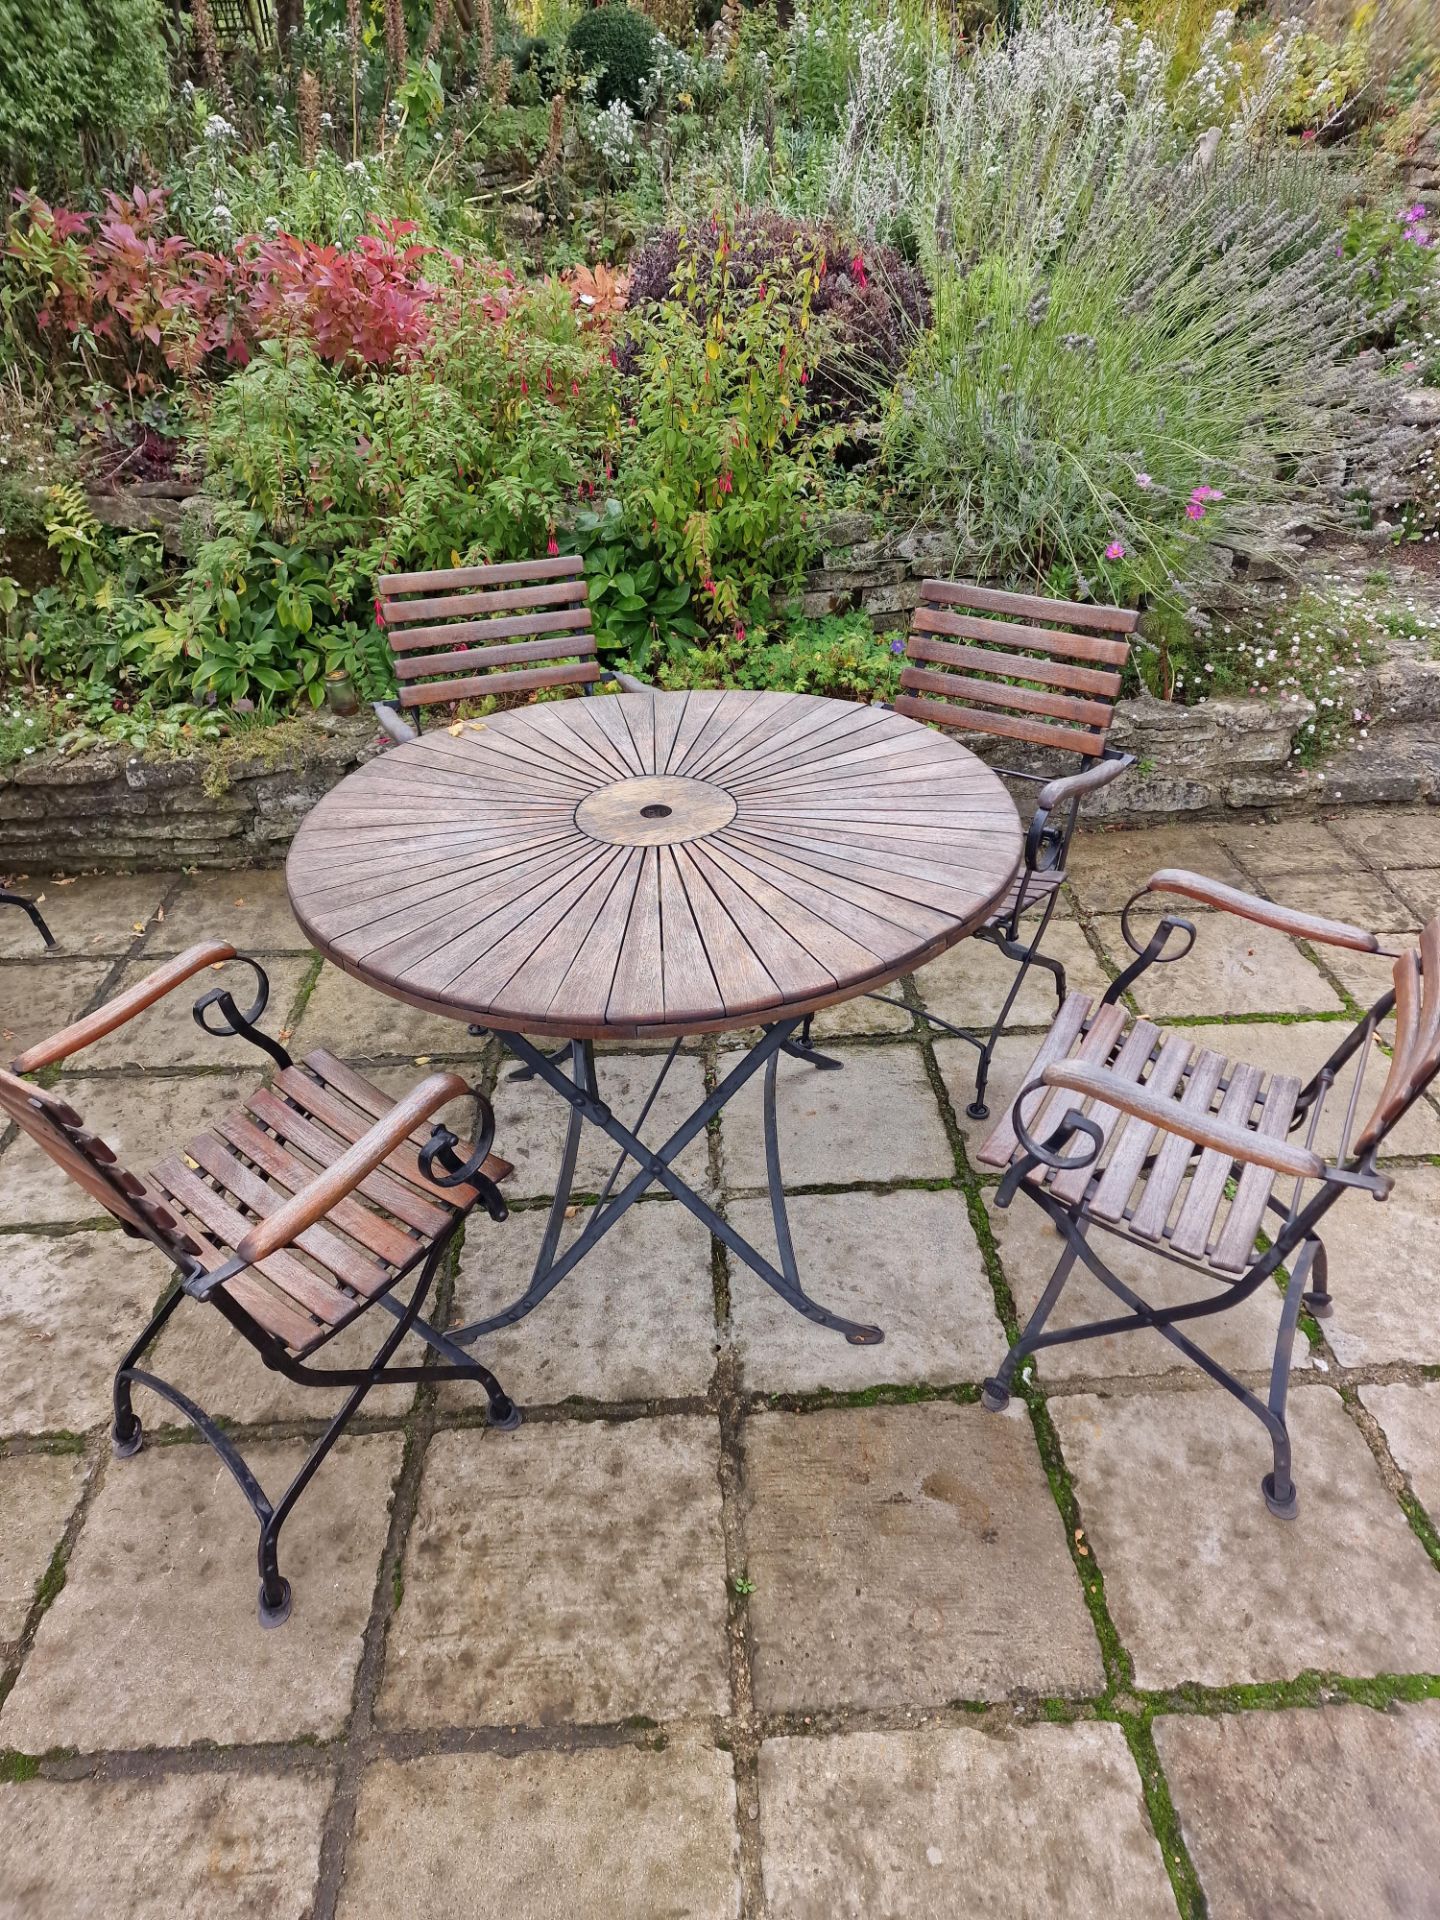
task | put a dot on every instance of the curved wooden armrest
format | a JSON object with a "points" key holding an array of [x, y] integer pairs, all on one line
{"points": [[1098, 774], [342, 1176], [125, 1006], [400, 731], [1304, 926], [1205, 1129]]}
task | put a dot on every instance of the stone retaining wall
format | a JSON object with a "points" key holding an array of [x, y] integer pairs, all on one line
{"points": [[113, 811]]}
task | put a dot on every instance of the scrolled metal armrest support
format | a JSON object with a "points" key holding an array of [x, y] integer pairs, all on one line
{"points": [[1152, 952], [1049, 1152], [441, 1147], [1045, 843], [241, 1024]]}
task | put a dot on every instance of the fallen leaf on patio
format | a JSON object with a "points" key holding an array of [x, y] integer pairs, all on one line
{"points": [[284, 1033], [159, 913], [239, 903], [138, 926], [63, 883], [570, 1212], [457, 729], [422, 1059]]}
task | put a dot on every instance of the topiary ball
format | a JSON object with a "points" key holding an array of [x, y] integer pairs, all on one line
{"points": [[617, 45]]}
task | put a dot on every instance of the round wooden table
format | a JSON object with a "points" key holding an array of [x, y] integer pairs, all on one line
{"points": [[653, 866]]}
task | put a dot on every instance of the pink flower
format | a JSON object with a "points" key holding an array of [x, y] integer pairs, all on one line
{"points": [[725, 484], [379, 613], [554, 546], [739, 631], [1115, 550], [1194, 510], [857, 269], [1143, 480], [1206, 493]]}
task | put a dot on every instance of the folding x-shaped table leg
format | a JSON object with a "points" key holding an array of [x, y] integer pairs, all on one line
{"points": [[656, 1166]]}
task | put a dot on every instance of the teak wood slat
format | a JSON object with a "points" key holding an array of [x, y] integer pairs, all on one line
{"points": [[1015, 677], [462, 634], [676, 862]]}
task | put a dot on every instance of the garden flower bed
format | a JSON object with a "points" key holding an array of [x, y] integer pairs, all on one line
{"points": [[770, 314]]}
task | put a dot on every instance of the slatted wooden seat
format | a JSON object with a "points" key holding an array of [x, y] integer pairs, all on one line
{"points": [[1139, 1132], [1038, 673], [306, 1207]]}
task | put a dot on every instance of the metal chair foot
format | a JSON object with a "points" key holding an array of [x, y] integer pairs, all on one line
{"points": [[125, 1447], [504, 1416], [1282, 1509], [978, 1110], [1321, 1305], [994, 1398], [279, 1613]]}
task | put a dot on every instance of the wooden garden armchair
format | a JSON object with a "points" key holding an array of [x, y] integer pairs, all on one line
{"points": [[1043, 672], [1122, 1128], [310, 1205], [466, 632]]}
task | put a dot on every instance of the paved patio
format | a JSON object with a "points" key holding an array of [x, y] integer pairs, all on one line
{"points": [[743, 1620]]}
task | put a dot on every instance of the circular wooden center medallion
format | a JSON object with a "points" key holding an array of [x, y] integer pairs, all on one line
{"points": [[657, 811]]}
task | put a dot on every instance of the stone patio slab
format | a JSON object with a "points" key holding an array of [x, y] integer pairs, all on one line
{"points": [[1359, 898], [956, 1060], [1410, 1416], [906, 1261], [1234, 967], [70, 1305], [160, 1597], [968, 984], [165, 1035], [1390, 836], [1366, 976], [1241, 1338], [531, 1118], [635, 1321], [250, 909], [534, 1836], [1273, 852], [38, 1000], [1106, 869], [874, 1120], [38, 1492], [142, 1116], [862, 1015], [933, 1825], [1418, 887], [907, 1555], [241, 1845], [1382, 1272], [563, 1573], [1204, 1584], [1310, 1813], [360, 1023], [99, 914]]}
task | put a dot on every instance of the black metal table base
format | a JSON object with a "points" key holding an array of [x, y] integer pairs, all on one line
{"points": [[655, 1166]]}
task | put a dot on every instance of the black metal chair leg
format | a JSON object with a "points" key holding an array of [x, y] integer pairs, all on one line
{"points": [[996, 1395], [1317, 1296], [801, 1047], [28, 907], [126, 1434]]}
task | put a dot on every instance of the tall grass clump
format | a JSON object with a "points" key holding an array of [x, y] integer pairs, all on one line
{"points": [[1144, 329]]}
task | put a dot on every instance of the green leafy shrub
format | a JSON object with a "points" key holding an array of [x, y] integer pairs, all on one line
{"points": [[715, 477], [79, 77], [869, 304], [617, 45], [839, 658]]}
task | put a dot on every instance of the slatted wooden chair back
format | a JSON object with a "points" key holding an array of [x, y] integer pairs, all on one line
{"points": [[1415, 1058], [468, 632], [1015, 666], [61, 1133]]}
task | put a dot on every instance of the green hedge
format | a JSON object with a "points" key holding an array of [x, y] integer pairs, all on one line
{"points": [[79, 76]]}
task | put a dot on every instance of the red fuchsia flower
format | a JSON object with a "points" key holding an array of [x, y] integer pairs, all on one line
{"points": [[725, 484], [379, 612], [857, 270], [1115, 550], [614, 358], [707, 585], [574, 389], [524, 384], [739, 631], [554, 546]]}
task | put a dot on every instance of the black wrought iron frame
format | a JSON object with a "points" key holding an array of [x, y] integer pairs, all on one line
{"points": [[8, 898], [655, 1166], [1298, 1238], [440, 1163], [1047, 845]]}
